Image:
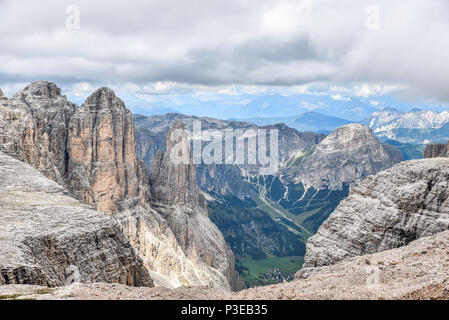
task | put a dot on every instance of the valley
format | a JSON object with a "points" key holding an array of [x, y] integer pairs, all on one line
{"points": [[268, 219]]}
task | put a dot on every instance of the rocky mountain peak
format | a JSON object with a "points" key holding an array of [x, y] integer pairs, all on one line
{"points": [[172, 174], [42, 89], [104, 98], [348, 155], [102, 152], [91, 150], [349, 136], [2, 96]]}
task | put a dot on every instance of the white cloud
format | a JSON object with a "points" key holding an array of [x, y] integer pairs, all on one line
{"points": [[339, 97]]}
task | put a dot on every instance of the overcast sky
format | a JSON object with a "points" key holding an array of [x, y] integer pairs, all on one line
{"points": [[157, 52]]}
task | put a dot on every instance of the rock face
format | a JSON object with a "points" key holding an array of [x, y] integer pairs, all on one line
{"points": [[34, 128], [173, 182], [436, 150], [177, 197], [349, 154], [315, 176], [103, 168], [91, 150], [44, 232], [385, 211]]}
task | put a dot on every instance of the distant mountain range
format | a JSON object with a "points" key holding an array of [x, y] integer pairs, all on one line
{"points": [[307, 121], [414, 126]]}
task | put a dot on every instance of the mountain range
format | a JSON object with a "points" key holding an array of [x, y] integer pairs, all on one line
{"points": [[416, 126], [267, 219], [92, 194]]}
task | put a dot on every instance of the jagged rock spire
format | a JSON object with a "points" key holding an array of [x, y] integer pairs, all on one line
{"points": [[173, 175]]}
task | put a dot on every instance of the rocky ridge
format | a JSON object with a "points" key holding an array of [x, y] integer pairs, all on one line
{"points": [[215, 178], [385, 211]]}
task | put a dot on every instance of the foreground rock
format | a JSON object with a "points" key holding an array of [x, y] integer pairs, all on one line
{"points": [[419, 270], [388, 210], [44, 234]]}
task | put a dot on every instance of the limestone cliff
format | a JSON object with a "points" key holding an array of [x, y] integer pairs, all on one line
{"points": [[103, 168], [45, 233], [177, 197], [385, 211]]}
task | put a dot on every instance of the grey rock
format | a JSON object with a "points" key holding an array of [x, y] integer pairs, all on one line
{"points": [[33, 127], [44, 231], [436, 150], [173, 183], [349, 154], [385, 211]]}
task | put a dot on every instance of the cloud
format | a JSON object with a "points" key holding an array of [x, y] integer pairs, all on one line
{"points": [[339, 97], [165, 47]]}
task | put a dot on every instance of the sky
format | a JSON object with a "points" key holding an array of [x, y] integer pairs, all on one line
{"points": [[233, 59]]}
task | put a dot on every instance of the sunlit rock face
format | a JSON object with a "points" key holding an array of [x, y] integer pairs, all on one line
{"points": [[103, 167]]}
